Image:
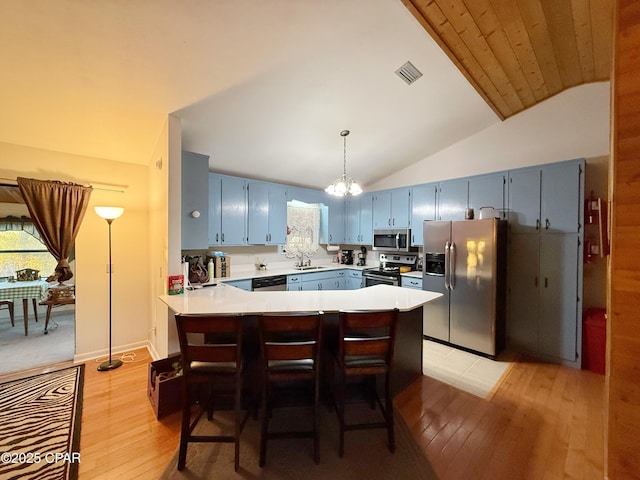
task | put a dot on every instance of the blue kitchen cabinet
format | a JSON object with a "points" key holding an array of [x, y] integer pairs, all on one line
{"points": [[294, 283], [524, 200], [391, 208], [335, 232], [423, 207], [215, 209], [228, 210], [267, 213], [353, 280], [359, 220], [561, 184], [560, 293], [453, 199], [340, 279], [488, 191], [319, 280], [194, 212], [545, 261], [411, 282], [244, 284], [543, 198]]}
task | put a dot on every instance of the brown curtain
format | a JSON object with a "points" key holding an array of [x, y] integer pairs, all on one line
{"points": [[57, 209]]}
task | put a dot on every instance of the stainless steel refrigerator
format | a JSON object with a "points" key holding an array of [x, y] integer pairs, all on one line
{"points": [[466, 262]]}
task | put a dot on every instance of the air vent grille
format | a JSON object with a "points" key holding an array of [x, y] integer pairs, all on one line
{"points": [[408, 73]]}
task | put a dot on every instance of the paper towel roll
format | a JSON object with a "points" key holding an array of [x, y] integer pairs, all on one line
{"points": [[185, 272], [333, 248]]}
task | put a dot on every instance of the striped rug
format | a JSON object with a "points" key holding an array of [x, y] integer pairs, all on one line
{"points": [[40, 426]]}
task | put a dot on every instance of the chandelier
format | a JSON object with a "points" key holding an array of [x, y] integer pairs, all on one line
{"points": [[344, 185]]}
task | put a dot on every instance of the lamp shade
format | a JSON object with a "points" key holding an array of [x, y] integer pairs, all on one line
{"points": [[109, 213]]}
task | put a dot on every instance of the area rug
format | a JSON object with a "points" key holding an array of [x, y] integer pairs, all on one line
{"points": [[40, 424], [463, 370], [366, 455]]}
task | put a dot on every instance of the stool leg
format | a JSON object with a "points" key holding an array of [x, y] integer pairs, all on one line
{"points": [[46, 320], [389, 415]]}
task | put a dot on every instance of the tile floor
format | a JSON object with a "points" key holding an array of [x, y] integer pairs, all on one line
{"points": [[472, 373]]}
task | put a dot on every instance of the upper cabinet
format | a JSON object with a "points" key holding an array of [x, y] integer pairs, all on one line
{"points": [[194, 206], [423, 207], [453, 199], [335, 222], [359, 220], [488, 191], [391, 208], [267, 213], [228, 210], [544, 198]]}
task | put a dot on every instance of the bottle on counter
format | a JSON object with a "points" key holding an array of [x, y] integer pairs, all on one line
{"points": [[211, 270]]}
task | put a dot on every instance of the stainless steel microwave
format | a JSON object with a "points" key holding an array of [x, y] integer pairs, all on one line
{"points": [[392, 240]]}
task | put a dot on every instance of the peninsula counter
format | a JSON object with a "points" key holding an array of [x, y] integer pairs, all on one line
{"points": [[224, 299]]}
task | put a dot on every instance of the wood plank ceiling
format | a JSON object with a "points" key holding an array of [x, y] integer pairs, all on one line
{"points": [[517, 53]]}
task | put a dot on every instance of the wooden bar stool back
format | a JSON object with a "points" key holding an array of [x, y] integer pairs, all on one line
{"points": [[365, 349], [211, 354], [290, 347]]}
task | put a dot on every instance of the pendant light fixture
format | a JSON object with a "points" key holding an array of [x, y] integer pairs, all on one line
{"points": [[344, 185]]}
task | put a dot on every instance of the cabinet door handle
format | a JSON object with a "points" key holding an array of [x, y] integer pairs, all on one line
{"points": [[389, 222], [217, 238], [222, 237], [547, 224], [393, 221], [537, 224]]}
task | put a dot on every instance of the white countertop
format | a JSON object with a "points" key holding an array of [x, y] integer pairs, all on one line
{"points": [[225, 299]]}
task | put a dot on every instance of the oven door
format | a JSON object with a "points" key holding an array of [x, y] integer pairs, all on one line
{"points": [[369, 279]]}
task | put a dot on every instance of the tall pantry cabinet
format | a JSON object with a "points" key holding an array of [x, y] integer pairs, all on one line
{"points": [[545, 260]]}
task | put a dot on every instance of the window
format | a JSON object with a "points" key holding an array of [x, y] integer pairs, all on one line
{"points": [[19, 249], [303, 229]]}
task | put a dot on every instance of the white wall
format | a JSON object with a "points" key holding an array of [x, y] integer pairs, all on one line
{"points": [[572, 124], [130, 238]]}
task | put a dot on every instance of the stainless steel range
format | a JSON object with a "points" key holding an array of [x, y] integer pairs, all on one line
{"points": [[389, 271]]}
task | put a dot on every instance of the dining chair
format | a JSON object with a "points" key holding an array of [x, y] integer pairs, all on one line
{"points": [[290, 347], [211, 355], [8, 304], [364, 352]]}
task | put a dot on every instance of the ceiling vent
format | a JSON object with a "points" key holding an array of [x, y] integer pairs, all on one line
{"points": [[408, 73]]}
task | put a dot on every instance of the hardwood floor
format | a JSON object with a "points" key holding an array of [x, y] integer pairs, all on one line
{"points": [[544, 422]]}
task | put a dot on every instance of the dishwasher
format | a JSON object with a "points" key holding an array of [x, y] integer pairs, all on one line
{"points": [[265, 284]]}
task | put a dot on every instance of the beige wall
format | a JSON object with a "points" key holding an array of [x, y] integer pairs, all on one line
{"points": [[130, 240], [572, 124]]}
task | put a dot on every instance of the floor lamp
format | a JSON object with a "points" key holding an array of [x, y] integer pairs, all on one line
{"points": [[109, 214]]}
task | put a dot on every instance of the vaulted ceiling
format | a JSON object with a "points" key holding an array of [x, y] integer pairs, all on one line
{"points": [[265, 87], [517, 53]]}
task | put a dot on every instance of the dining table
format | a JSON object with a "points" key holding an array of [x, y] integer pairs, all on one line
{"points": [[35, 290]]}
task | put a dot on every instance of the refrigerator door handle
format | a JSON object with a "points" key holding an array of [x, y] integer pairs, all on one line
{"points": [[447, 284], [452, 266]]}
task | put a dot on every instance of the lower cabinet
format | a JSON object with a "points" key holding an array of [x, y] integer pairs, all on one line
{"points": [[319, 281], [294, 283], [353, 280], [411, 282], [544, 304]]}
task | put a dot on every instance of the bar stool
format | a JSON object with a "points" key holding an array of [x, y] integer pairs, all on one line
{"points": [[290, 346], [365, 350], [211, 354]]}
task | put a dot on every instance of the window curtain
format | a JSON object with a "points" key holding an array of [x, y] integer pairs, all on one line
{"points": [[56, 209]]}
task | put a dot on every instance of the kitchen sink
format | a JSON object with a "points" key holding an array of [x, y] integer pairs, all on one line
{"points": [[309, 267]]}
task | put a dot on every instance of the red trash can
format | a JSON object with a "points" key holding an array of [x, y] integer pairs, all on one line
{"points": [[594, 345]]}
